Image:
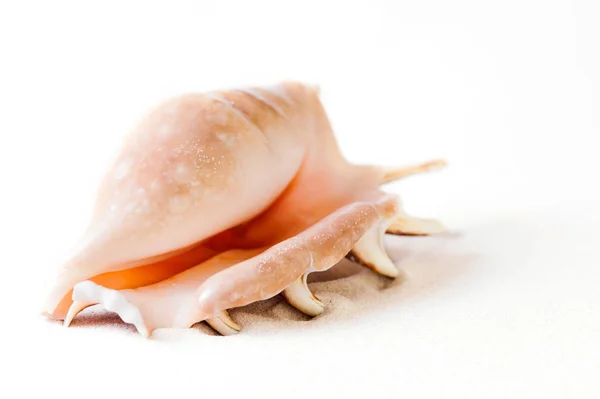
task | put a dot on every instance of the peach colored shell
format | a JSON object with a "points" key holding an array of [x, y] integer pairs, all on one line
{"points": [[222, 199]]}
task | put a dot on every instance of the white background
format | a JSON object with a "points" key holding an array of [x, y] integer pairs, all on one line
{"points": [[505, 305]]}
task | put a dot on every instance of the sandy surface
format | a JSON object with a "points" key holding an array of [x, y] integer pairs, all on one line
{"points": [[495, 308]]}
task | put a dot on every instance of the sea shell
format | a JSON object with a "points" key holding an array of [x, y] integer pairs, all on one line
{"points": [[222, 199]]}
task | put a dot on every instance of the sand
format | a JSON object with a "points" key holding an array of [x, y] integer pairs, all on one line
{"points": [[502, 306]]}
